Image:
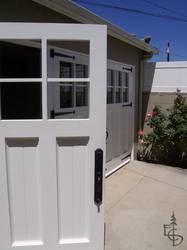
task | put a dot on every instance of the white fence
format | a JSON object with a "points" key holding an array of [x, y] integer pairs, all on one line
{"points": [[165, 77]]}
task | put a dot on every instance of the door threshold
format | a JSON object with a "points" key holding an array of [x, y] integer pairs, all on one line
{"points": [[125, 161]]}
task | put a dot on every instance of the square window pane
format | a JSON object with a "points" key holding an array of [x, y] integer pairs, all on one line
{"points": [[21, 100], [126, 79], [68, 58], [125, 95], [81, 71], [110, 77], [118, 78], [118, 95], [20, 58], [110, 92], [66, 96], [66, 70], [81, 95]]}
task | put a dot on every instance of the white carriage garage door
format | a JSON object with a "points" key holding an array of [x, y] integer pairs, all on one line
{"points": [[120, 115], [51, 169]]}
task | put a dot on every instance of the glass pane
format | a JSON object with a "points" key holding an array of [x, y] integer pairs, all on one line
{"points": [[119, 78], [81, 96], [125, 95], [110, 77], [110, 92], [118, 95], [73, 54], [66, 96], [21, 101], [126, 79], [66, 70], [20, 59], [81, 71]]}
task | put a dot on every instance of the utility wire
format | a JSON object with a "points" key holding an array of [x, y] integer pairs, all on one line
{"points": [[164, 8], [137, 11]]}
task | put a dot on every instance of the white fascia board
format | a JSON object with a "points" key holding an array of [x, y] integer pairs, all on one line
{"points": [[85, 16]]}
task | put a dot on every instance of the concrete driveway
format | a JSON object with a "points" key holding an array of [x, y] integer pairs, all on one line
{"points": [[140, 199]]}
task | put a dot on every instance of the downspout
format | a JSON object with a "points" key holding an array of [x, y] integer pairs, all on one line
{"points": [[142, 61]]}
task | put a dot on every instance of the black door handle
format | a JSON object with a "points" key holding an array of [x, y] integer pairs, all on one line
{"points": [[98, 182], [127, 105]]}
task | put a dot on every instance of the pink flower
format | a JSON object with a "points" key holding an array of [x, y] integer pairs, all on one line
{"points": [[140, 142], [140, 133], [152, 114]]}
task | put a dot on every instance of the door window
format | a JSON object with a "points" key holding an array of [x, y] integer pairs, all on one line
{"points": [[117, 86]]}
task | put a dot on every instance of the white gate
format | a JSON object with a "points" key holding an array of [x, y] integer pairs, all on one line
{"points": [[49, 198]]}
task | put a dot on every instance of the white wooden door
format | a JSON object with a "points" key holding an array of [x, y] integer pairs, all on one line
{"points": [[47, 192], [120, 114]]}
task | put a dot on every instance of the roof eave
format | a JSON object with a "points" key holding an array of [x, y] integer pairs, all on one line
{"points": [[83, 15]]}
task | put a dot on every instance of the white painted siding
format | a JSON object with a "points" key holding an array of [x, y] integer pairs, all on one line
{"points": [[165, 77]]}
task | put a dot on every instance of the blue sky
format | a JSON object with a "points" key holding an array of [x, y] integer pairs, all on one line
{"points": [[161, 30]]}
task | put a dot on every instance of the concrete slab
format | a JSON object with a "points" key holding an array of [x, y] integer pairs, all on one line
{"points": [[142, 203]]}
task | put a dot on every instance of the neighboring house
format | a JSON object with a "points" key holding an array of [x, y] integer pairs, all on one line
{"points": [[71, 86], [161, 81]]}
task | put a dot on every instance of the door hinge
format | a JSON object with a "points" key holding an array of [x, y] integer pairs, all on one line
{"points": [[53, 53], [129, 69]]}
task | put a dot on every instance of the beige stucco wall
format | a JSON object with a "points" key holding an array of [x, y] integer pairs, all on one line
{"points": [[28, 11], [161, 80], [164, 100]]}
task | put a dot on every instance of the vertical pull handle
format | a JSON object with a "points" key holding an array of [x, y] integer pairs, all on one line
{"points": [[98, 188]]}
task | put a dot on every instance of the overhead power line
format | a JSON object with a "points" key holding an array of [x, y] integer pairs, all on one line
{"points": [[137, 11], [164, 8]]}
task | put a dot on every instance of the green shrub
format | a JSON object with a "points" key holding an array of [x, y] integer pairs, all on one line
{"points": [[167, 143]]}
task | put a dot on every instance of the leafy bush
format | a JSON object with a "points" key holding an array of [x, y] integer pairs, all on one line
{"points": [[167, 143]]}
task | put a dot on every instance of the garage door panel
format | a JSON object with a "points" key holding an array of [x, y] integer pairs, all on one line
{"points": [[23, 177], [72, 189]]}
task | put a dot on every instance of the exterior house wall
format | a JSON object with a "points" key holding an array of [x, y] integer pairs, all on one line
{"points": [[161, 80], [28, 11]]}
